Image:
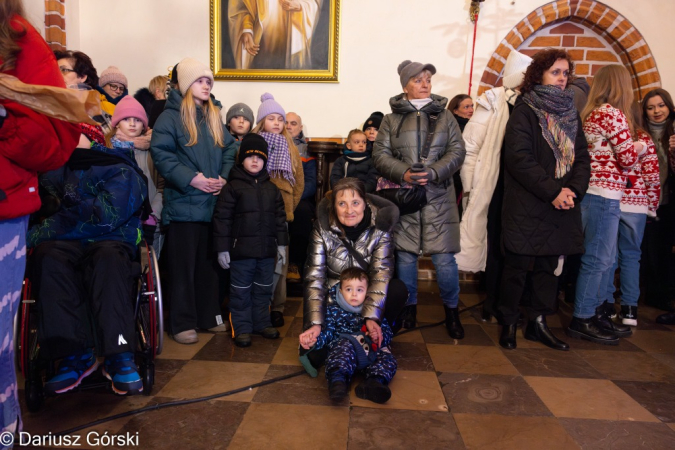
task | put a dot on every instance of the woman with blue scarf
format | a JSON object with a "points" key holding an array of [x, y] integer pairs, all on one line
{"points": [[547, 172]]}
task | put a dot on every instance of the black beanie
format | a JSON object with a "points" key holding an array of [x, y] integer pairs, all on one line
{"points": [[374, 120], [252, 144]]}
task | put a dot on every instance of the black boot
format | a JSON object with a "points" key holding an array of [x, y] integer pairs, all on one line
{"points": [[589, 330], [603, 320], [452, 323], [537, 330], [485, 316], [508, 337], [410, 316], [337, 390], [667, 318], [374, 390]]}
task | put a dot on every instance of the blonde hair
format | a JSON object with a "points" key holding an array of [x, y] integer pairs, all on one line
{"points": [[354, 132], [612, 84], [260, 127], [188, 115], [158, 82]]}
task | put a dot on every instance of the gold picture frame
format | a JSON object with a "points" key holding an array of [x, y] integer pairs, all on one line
{"points": [[306, 53]]}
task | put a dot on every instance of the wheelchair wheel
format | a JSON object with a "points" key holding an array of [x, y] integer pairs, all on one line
{"points": [[34, 394], [26, 341], [148, 372]]}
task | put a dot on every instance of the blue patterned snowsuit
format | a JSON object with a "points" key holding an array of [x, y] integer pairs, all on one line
{"points": [[342, 362]]}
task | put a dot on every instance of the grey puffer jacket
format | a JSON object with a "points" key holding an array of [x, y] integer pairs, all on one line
{"points": [[434, 229], [327, 257]]}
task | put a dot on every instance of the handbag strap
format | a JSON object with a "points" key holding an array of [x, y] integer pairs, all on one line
{"points": [[357, 256], [433, 119]]}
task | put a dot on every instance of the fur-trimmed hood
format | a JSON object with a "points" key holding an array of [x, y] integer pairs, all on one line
{"points": [[384, 213]]}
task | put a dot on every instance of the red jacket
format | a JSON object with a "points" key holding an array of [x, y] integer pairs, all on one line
{"points": [[31, 142]]}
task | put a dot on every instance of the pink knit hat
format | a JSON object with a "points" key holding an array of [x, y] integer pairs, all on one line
{"points": [[269, 106], [129, 107], [112, 75]]}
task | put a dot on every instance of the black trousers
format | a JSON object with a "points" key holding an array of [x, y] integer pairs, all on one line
{"points": [[75, 283], [193, 277], [494, 264], [299, 231], [535, 272], [656, 264]]}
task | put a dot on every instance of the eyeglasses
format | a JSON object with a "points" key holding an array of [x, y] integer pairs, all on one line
{"points": [[115, 87], [65, 70]]}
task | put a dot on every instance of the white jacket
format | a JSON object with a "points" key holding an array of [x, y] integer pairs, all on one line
{"points": [[483, 136]]}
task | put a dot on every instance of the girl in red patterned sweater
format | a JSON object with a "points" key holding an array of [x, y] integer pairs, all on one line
{"points": [[640, 199], [608, 126]]}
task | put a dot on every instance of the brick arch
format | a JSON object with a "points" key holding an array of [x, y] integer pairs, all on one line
{"points": [[608, 23]]}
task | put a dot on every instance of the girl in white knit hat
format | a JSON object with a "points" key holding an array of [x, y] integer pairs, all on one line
{"points": [[194, 153]]}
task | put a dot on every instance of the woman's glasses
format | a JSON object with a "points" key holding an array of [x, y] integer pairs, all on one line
{"points": [[115, 87], [65, 70]]}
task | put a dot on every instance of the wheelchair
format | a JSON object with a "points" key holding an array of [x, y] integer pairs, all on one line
{"points": [[149, 325]]}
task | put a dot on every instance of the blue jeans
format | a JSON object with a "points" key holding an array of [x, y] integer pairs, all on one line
{"points": [[447, 276], [250, 292], [12, 267], [600, 219], [627, 255]]}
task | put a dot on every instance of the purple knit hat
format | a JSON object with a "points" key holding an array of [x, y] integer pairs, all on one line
{"points": [[269, 106], [129, 107]]}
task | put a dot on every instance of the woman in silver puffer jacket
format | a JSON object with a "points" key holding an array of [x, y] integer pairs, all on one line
{"points": [[398, 154], [366, 226]]}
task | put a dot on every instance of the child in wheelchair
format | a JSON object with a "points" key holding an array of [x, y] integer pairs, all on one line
{"points": [[81, 263]]}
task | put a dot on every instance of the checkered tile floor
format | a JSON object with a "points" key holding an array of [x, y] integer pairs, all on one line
{"points": [[447, 394]]}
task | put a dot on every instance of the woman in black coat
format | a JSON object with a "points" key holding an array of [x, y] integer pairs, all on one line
{"points": [[547, 173]]}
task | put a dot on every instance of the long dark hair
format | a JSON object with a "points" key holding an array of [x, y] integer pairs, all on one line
{"points": [[541, 62], [82, 65], [668, 100], [345, 184], [455, 101], [9, 49]]}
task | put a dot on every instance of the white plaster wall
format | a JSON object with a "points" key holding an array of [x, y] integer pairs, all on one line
{"points": [[35, 10], [144, 37]]}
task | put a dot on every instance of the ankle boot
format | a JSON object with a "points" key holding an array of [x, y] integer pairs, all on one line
{"points": [[608, 325], [485, 316], [508, 336], [410, 316], [338, 389], [537, 330], [452, 323], [589, 330], [667, 318]]}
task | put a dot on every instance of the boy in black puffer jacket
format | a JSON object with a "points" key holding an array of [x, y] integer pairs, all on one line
{"points": [[356, 162], [249, 224]]}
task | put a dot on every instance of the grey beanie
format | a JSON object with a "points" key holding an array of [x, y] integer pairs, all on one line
{"points": [[239, 109], [408, 69]]}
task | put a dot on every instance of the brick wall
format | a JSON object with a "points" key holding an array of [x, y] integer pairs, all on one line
{"points": [[55, 24], [594, 33]]}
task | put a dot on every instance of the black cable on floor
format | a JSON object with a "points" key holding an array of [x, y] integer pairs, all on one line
{"points": [[222, 394]]}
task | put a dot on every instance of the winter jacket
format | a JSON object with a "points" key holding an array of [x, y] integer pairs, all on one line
{"points": [[643, 190], [356, 165], [146, 99], [308, 167], [179, 164], [99, 200], [531, 225], [327, 257], [249, 220], [108, 103], [340, 321], [484, 137], [610, 145], [434, 229], [31, 142]]}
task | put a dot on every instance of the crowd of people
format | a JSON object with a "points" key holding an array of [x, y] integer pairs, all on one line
{"points": [[537, 171]]}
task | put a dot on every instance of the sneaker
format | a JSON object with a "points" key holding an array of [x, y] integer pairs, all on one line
{"points": [[629, 315], [607, 309], [222, 328], [293, 274], [242, 340], [277, 318], [123, 372], [186, 337], [269, 333], [72, 370]]}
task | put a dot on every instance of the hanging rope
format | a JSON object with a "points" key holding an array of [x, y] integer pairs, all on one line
{"points": [[475, 9]]}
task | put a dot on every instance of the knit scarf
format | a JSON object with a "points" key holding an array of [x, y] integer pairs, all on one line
{"points": [[279, 161], [141, 142], [344, 304], [557, 116]]}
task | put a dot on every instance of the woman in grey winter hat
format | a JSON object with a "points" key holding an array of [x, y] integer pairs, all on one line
{"points": [[398, 153]]}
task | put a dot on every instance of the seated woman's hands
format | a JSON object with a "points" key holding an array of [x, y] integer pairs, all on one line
{"points": [[308, 337], [374, 331]]}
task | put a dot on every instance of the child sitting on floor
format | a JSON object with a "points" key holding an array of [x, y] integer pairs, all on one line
{"points": [[350, 346]]}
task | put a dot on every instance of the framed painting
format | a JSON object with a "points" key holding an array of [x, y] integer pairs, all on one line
{"points": [[275, 40]]}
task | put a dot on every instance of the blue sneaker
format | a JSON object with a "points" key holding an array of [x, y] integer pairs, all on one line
{"points": [[72, 370], [123, 372]]}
